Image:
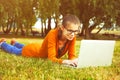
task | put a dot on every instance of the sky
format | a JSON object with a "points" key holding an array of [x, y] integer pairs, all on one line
{"points": [[37, 24]]}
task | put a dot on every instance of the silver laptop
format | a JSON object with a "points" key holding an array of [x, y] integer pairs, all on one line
{"points": [[95, 53]]}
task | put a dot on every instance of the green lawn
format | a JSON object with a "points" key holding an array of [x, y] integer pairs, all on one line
{"points": [[14, 67]]}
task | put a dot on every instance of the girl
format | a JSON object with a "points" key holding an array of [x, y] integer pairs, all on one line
{"points": [[57, 43]]}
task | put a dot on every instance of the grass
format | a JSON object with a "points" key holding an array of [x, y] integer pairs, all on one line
{"points": [[14, 67]]}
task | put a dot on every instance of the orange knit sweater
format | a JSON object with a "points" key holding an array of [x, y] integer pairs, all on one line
{"points": [[49, 48]]}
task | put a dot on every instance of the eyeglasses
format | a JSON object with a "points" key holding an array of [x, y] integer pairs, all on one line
{"points": [[72, 31]]}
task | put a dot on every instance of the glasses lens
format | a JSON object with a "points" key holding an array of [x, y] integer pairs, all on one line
{"points": [[71, 31], [76, 32]]}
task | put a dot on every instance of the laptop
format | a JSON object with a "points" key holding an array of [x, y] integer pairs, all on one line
{"points": [[95, 53]]}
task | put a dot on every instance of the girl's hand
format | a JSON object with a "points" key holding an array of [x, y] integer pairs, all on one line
{"points": [[75, 61], [70, 62]]}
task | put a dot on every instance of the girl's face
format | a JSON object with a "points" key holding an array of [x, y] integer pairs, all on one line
{"points": [[70, 31]]}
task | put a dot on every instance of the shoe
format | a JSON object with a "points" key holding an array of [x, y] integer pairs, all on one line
{"points": [[13, 41], [2, 40]]}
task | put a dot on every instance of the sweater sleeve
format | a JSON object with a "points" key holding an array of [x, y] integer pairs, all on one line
{"points": [[71, 49], [52, 44]]}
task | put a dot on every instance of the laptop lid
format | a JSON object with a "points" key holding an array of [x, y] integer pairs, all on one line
{"points": [[95, 53]]}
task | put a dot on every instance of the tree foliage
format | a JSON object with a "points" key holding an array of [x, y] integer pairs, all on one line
{"points": [[22, 13], [101, 10]]}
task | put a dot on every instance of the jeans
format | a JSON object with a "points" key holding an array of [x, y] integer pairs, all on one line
{"points": [[15, 49]]}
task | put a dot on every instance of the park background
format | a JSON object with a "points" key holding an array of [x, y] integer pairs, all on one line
{"points": [[30, 20]]}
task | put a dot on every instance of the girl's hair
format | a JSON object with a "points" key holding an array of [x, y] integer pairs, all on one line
{"points": [[66, 20], [70, 19]]}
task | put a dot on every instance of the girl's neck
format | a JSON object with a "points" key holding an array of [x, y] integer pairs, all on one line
{"points": [[61, 36], [63, 39]]}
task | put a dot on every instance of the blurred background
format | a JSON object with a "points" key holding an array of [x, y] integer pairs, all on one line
{"points": [[100, 18]]}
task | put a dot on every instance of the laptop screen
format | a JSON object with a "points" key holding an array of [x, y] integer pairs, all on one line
{"points": [[95, 53]]}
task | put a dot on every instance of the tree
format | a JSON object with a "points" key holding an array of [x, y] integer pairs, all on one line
{"points": [[88, 9], [48, 9], [27, 14], [24, 12], [7, 14]]}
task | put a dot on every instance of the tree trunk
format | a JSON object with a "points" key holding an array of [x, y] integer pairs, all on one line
{"points": [[87, 33], [7, 28], [98, 30], [49, 24]]}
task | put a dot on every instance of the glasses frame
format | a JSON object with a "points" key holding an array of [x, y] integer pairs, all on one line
{"points": [[72, 31]]}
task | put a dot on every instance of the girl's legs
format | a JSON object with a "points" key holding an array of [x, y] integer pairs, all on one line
{"points": [[11, 49], [18, 45]]}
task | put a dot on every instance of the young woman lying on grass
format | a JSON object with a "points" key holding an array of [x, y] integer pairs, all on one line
{"points": [[55, 45]]}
